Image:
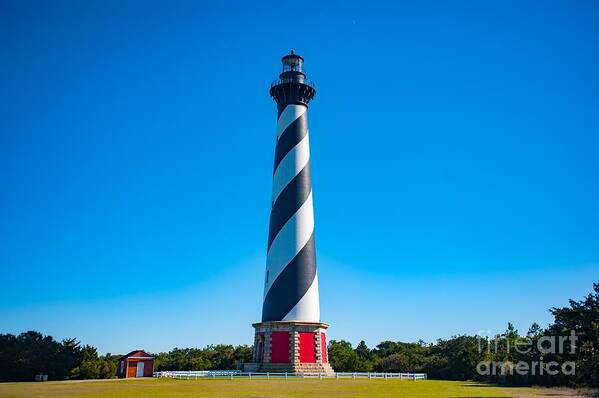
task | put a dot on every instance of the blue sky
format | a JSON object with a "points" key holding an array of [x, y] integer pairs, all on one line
{"points": [[454, 165]]}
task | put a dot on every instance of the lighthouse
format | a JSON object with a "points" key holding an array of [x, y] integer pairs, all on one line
{"points": [[290, 336]]}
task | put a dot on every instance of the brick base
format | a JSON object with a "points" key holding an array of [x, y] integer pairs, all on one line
{"points": [[313, 358]]}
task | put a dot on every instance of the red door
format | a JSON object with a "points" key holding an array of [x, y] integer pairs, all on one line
{"points": [[131, 368], [307, 351], [279, 347]]}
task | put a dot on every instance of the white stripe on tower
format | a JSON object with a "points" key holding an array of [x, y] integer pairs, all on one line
{"points": [[290, 166], [289, 241], [290, 114]]}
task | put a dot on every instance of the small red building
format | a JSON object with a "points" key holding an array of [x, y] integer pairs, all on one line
{"points": [[137, 363]]}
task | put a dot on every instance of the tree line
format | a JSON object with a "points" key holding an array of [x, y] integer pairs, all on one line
{"points": [[495, 359], [29, 354], [461, 357]]}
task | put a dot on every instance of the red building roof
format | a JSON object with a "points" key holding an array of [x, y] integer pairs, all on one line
{"points": [[136, 354]]}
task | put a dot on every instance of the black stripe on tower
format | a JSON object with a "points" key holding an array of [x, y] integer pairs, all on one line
{"points": [[292, 135], [291, 285], [289, 201]]}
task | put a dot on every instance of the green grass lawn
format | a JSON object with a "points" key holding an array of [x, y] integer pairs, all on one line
{"points": [[163, 388]]}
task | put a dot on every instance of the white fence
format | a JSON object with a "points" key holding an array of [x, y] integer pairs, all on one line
{"points": [[231, 374], [400, 376]]}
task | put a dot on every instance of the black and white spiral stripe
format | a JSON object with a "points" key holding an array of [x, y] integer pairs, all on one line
{"points": [[291, 285]]}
